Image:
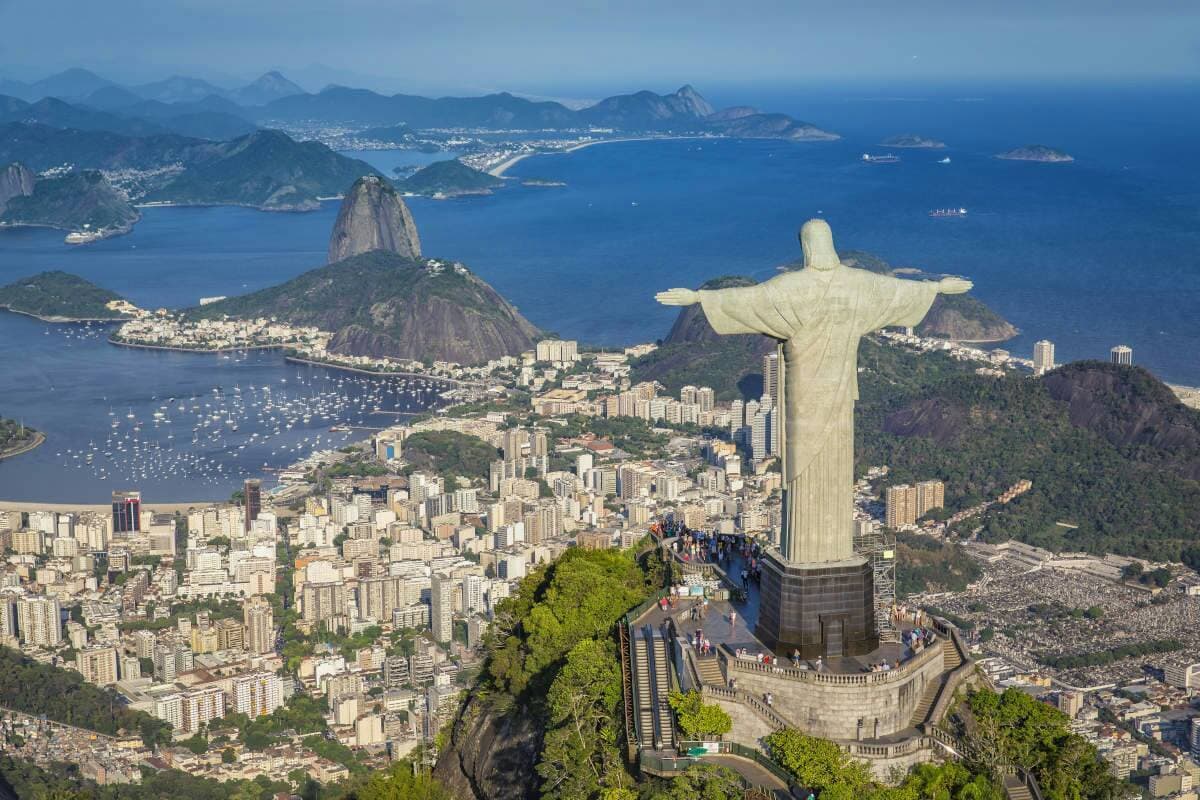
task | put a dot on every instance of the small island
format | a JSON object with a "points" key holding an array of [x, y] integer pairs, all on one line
{"points": [[62, 297], [1036, 152], [452, 178], [913, 141]]}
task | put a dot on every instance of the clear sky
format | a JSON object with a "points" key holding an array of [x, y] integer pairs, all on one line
{"points": [[593, 46]]}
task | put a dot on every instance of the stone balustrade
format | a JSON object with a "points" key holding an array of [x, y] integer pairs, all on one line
{"points": [[777, 670]]}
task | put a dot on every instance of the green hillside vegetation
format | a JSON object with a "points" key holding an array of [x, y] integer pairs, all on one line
{"points": [[72, 201], [265, 169], [64, 696], [926, 564], [450, 178], [382, 304], [982, 434], [58, 294], [450, 454]]}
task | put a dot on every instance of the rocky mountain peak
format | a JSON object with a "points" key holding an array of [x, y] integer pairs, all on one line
{"points": [[16, 180], [693, 101], [373, 217]]}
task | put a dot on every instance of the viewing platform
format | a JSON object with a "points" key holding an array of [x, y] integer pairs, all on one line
{"points": [[884, 715]]}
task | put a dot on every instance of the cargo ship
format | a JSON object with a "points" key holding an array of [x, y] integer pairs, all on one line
{"points": [[948, 212], [887, 159]]}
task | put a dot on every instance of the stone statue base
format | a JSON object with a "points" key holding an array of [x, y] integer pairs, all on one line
{"points": [[823, 610]]}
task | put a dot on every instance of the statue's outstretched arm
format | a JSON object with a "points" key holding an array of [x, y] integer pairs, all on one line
{"points": [[678, 297], [954, 286]]}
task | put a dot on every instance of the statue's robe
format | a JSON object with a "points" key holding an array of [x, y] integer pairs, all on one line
{"points": [[818, 316]]}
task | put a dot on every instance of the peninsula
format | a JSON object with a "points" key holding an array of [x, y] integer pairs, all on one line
{"points": [[16, 439], [1036, 152], [62, 297], [451, 178], [83, 202]]}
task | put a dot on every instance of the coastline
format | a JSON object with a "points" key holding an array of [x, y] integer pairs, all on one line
{"points": [[63, 320], [499, 170], [39, 439], [378, 374], [291, 359], [166, 508]]}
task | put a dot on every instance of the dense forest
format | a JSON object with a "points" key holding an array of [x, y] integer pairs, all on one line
{"points": [[450, 454], [981, 434], [64, 696]]}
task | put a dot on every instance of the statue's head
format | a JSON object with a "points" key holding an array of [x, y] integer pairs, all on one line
{"points": [[817, 240]]}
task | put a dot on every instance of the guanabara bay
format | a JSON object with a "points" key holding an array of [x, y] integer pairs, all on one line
{"points": [[672, 401]]}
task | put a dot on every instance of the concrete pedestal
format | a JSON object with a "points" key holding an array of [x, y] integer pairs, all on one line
{"points": [[820, 609]]}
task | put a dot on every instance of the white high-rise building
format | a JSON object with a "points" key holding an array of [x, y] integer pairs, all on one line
{"points": [[441, 600], [39, 619], [257, 694], [771, 373], [259, 636], [473, 591], [1121, 354], [1043, 357]]}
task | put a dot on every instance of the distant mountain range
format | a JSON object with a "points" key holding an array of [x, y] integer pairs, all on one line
{"points": [[195, 107], [188, 141]]}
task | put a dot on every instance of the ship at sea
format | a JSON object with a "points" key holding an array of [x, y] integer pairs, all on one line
{"points": [[945, 160], [886, 159], [948, 212]]}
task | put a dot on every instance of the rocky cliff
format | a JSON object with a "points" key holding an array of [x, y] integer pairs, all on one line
{"points": [[490, 756], [380, 303], [16, 180], [373, 217], [962, 318]]}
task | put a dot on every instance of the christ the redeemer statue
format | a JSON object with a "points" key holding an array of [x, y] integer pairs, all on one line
{"points": [[818, 315]]}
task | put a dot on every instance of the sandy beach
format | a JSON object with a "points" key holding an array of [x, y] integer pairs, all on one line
{"points": [[499, 170]]}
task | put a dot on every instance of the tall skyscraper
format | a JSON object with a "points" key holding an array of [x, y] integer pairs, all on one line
{"points": [[127, 512], [1121, 354], [771, 373], [1043, 356], [441, 601], [252, 489]]}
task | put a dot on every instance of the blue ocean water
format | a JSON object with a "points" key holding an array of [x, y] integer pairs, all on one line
{"points": [[1102, 251]]}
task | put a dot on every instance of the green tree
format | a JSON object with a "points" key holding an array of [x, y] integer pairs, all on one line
{"points": [[579, 755], [401, 782], [698, 719], [817, 764], [699, 782]]}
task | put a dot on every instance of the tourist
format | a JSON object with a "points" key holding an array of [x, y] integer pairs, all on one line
{"points": [[732, 620], [796, 657]]}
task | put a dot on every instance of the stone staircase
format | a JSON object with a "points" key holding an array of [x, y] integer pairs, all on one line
{"points": [[709, 669], [1015, 789], [951, 660]]}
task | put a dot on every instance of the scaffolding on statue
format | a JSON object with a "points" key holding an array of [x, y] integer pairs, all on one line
{"points": [[879, 547]]}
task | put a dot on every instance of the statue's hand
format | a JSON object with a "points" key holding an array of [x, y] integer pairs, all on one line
{"points": [[678, 297], [954, 286]]}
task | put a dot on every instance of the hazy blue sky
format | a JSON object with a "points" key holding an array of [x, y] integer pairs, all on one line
{"points": [[596, 45]]}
